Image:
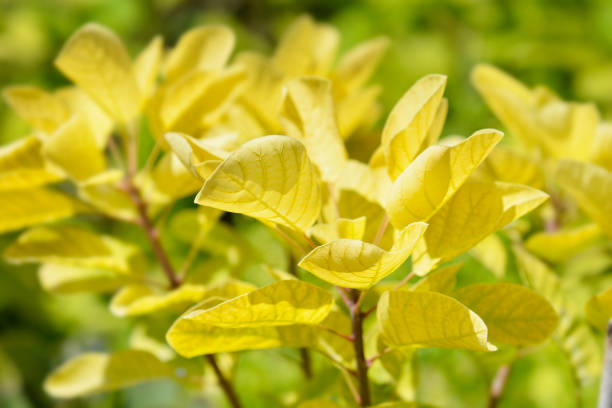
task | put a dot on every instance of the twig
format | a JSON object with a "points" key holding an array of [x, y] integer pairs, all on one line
{"points": [[372, 359], [290, 240], [404, 281], [351, 387], [605, 389], [381, 230], [228, 388], [499, 384], [337, 333], [362, 368]]}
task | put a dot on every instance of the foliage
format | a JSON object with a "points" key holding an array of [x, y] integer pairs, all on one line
{"points": [[293, 242]]}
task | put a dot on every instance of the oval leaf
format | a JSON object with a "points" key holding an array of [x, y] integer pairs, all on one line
{"points": [[270, 178], [514, 314], [430, 319]]}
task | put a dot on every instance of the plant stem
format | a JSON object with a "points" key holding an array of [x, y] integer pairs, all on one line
{"points": [[605, 389], [227, 386], [141, 206], [152, 233], [499, 384], [362, 367]]}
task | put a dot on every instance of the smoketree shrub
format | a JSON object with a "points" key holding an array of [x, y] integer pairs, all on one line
{"points": [[247, 202]]}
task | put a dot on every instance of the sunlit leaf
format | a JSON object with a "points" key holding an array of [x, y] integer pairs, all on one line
{"points": [[137, 300], [339, 229], [475, 211], [91, 373], [23, 208], [408, 123], [513, 166], [357, 264], [491, 253], [198, 156], [270, 178], [373, 184], [306, 48], [23, 166], [73, 279], [40, 109], [71, 246], [272, 316], [202, 49], [443, 280], [430, 319], [96, 60], [359, 63], [73, 148], [307, 113], [591, 187], [598, 310], [146, 65], [514, 314], [560, 245], [435, 175]]}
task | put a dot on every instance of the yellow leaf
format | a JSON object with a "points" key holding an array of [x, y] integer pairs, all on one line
{"points": [[359, 63], [591, 187], [435, 130], [172, 179], [73, 279], [340, 228], [358, 111], [73, 148], [272, 316], [100, 124], [71, 246], [477, 210], [92, 373], [198, 156], [23, 208], [443, 280], [352, 205], [307, 113], [602, 145], [135, 300], [101, 192], [373, 184], [263, 91], [269, 178], [96, 60], [409, 122], [435, 175], [22, 165], [356, 264], [146, 66], [513, 166], [306, 48], [38, 108], [198, 99], [491, 253], [319, 403], [140, 339], [514, 314], [598, 310], [200, 49], [430, 319], [560, 245]]}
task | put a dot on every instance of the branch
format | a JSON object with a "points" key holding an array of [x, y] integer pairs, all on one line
{"points": [[228, 388], [362, 367], [499, 384], [605, 389]]}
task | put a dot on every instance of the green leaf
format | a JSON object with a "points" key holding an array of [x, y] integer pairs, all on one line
{"points": [[430, 319], [276, 315], [92, 373], [514, 314], [269, 178]]}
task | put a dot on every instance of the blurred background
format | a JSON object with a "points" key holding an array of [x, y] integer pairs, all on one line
{"points": [[564, 44]]}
